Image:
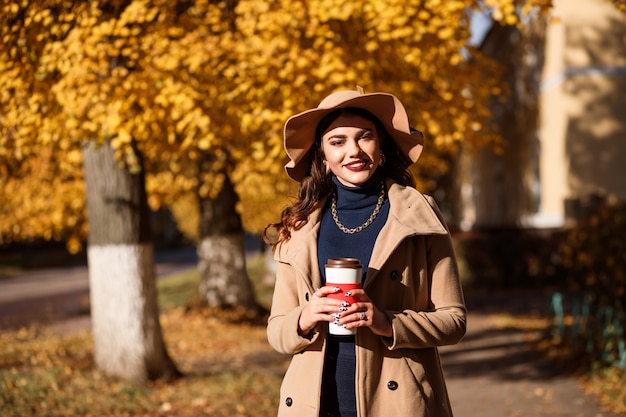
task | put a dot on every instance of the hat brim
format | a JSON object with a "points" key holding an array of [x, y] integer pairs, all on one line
{"points": [[299, 131]]}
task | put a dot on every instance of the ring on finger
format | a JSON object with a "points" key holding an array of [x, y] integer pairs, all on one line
{"points": [[362, 316]]}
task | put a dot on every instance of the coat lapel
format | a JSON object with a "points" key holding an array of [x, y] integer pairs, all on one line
{"points": [[410, 214]]}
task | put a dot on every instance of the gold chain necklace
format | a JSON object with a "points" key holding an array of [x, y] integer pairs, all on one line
{"points": [[379, 204]]}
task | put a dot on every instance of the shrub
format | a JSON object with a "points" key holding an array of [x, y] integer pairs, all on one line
{"points": [[593, 256]]}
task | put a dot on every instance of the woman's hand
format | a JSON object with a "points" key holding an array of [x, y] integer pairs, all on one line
{"points": [[365, 314], [319, 308]]}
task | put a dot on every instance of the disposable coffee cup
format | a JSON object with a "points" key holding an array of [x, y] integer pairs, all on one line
{"points": [[345, 274]]}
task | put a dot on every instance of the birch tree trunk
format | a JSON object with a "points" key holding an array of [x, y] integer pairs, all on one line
{"points": [[128, 341], [222, 260]]}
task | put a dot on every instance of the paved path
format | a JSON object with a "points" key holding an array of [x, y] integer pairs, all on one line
{"points": [[493, 373], [48, 295]]}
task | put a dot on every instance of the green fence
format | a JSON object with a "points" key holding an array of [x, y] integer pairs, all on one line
{"points": [[598, 331]]}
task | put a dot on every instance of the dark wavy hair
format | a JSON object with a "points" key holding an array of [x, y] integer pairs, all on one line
{"points": [[317, 184]]}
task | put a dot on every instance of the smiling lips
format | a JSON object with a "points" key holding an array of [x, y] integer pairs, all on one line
{"points": [[357, 165]]}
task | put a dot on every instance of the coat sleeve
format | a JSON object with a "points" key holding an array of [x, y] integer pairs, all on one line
{"points": [[282, 327], [444, 321]]}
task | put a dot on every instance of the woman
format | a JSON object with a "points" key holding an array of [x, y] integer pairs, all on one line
{"points": [[357, 199]]}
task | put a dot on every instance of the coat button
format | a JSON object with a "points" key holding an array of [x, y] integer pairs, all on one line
{"points": [[306, 296], [392, 385], [395, 275], [288, 401]]}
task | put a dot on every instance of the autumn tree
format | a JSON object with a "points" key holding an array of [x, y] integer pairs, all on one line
{"points": [[193, 95], [300, 51], [64, 67], [134, 81], [219, 230]]}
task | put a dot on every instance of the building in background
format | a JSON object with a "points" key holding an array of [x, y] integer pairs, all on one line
{"points": [[564, 126], [582, 109]]}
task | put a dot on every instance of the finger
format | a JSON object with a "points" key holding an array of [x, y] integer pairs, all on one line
{"points": [[325, 317], [357, 319], [324, 291], [325, 305], [356, 307], [360, 294]]}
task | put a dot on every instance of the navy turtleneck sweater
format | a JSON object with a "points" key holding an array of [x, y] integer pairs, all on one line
{"points": [[354, 206]]}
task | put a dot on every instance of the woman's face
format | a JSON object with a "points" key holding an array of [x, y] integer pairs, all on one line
{"points": [[351, 147]]}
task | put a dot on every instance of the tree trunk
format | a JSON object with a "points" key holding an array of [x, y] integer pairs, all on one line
{"points": [[128, 341], [222, 261]]}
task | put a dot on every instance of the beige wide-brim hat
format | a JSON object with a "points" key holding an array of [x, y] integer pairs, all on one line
{"points": [[299, 133]]}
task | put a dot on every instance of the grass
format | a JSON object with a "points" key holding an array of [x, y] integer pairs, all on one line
{"points": [[178, 290], [230, 370]]}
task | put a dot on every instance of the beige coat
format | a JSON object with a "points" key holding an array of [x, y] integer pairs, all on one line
{"points": [[413, 278]]}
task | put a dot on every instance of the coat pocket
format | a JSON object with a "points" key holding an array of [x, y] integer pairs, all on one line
{"points": [[300, 389], [426, 370]]}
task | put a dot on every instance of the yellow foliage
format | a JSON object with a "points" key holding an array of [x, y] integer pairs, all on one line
{"points": [[44, 199], [185, 212], [196, 90]]}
